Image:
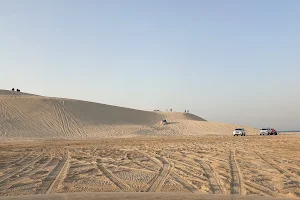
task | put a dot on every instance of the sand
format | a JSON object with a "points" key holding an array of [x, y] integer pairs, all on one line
{"points": [[138, 196], [54, 148], [32, 116], [254, 165]]}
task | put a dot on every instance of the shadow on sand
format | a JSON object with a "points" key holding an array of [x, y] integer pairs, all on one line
{"points": [[172, 122]]}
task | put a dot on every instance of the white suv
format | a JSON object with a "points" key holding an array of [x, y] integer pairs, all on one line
{"points": [[239, 131]]}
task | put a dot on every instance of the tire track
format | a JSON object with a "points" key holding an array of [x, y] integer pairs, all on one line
{"points": [[87, 188], [19, 169], [67, 122], [61, 173], [16, 114], [187, 165], [130, 157], [49, 121], [113, 178], [62, 122], [3, 112], [215, 183], [295, 180], [208, 157], [195, 177], [144, 166], [186, 184], [13, 111], [6, 118], [164, 173], [18, 162], [259, 189], [76, 125], [293, 169], [236, 185], [189, 186], [130, 168], [26, 174], [22, 187], [49, 181]]}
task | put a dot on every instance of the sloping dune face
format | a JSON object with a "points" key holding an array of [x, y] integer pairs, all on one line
{"points": [[32, 116]]}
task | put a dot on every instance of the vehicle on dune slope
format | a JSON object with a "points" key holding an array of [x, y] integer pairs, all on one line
{"points": [[164, 121]]}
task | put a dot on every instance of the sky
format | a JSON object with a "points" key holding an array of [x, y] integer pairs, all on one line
{"points": [[226, 61]]}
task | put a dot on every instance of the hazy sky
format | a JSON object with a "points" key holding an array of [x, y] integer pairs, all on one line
{"points": [[227, 61]]}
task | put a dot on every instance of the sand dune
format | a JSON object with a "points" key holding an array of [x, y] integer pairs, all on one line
{"points": [[31, 116]]}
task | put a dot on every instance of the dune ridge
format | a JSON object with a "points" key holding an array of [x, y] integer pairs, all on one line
{"points": [[25, 115]]}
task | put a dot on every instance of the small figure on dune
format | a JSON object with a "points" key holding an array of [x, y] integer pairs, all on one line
{"points": [[171, 110], [13, 89], [184, 111], [18, 90], [188, 111]]}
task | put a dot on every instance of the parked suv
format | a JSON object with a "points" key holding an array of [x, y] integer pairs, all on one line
{"points": [[268, 131], [239, 131]]}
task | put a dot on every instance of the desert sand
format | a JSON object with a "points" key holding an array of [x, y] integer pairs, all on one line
{"points": [[253, 165], [85, 150], [139, 196]]}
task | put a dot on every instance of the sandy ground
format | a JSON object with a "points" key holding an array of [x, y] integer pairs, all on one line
{"points": [[139, 196], [85, 150], [267, 166], [31, 116]]}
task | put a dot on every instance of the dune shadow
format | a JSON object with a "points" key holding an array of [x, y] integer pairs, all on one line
{"points": [[172, 122]]}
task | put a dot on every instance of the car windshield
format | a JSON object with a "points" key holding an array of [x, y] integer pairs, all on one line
{"points": [[238, 129], [264, 129]]}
